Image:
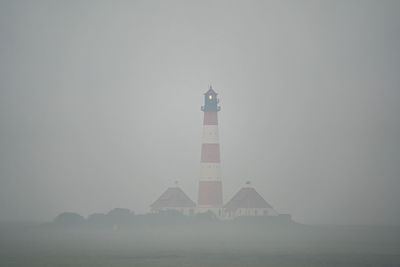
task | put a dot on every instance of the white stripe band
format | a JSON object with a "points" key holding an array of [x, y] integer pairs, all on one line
{"points": [[210, 172], [210, 134]]}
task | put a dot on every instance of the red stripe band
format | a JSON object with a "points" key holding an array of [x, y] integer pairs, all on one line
{"points": [[210, 118], [210, 193], [210, 153]]}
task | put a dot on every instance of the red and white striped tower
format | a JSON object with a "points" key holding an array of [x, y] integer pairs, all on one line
{"points": [[210, 185]]}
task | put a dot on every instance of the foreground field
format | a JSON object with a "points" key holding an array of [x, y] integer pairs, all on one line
{"points": [[207, 244]]}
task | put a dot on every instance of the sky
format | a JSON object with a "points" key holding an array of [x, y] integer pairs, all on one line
{"points": [[100, 105]]}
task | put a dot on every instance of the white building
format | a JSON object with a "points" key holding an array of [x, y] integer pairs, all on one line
{"points": [[174, 199], [248, 202]]}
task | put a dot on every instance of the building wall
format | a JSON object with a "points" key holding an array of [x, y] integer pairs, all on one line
{"points": [[219, 212], [250, 212], [184, 210]]}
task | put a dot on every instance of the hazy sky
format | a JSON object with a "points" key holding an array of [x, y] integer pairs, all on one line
{"points": [[100, 104]]}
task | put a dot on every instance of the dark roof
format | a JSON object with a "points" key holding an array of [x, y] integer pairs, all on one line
{"points": [[173, 197], [210, 91], [247, 197]]}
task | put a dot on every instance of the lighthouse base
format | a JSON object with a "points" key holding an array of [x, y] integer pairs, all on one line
{"points": [[210, 194], [217, 211]]}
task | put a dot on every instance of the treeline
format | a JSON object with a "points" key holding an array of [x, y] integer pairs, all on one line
{"points": [[119, 218], [124, 218]]}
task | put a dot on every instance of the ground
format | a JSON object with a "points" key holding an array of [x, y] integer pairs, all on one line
{"points": [[201, 245]]}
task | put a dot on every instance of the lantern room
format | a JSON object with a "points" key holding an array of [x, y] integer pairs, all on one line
{"points": [[211, 101]]}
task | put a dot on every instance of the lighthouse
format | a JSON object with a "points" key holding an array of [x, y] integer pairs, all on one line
{"points": [[210, 185], [247, 202]]}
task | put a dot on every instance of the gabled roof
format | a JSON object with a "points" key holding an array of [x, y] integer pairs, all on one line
{"points": [[210, 91], [247, 197], [173, 197]]}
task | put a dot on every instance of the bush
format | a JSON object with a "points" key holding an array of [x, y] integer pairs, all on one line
{"points": [[69, 219]]}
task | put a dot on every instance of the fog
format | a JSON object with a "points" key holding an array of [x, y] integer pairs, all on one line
{"points": [[100, 105], [176, 240]]}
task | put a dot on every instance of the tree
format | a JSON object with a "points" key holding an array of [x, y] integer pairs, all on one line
{"points": [[69, 219]]}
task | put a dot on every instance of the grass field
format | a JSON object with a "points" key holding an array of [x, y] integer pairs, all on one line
{"points": [[200, 245]]}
